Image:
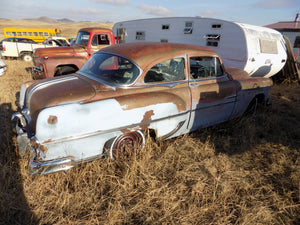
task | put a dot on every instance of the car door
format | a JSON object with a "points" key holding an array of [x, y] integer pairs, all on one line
{"points": [[213, 93]]}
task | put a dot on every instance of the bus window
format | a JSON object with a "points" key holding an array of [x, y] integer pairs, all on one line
{"points": [[24, 33], [46, 34], [14, 34], [19, 34], [8, 33], [40, 33], [35, 34], [29, 33]]}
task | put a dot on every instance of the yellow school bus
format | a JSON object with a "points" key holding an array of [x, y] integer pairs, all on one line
{"points": [[36, 34]]}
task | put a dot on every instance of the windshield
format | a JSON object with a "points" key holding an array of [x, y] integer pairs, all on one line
{"points": [[112, 69], [82, 38]]}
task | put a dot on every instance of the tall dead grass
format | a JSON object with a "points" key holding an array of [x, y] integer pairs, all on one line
{"points": [[244, 171]]}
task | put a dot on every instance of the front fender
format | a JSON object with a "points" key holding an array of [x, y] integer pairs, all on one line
{"points": [[52, 63]]}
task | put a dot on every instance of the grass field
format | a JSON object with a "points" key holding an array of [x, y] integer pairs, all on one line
{"points": [[246, 171]]}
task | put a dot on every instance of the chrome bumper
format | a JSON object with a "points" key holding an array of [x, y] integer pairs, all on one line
{"points": [[46, 167], [37, 73]]}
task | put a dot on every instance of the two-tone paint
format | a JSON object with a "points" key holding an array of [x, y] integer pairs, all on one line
{"points": [[76, 118]]}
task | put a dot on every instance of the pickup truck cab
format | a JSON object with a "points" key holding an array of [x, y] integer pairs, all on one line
{"points": [[22, 48], [58, 61]]}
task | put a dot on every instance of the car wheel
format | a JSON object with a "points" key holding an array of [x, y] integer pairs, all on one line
{"points": [[125, 144], [27, 57]]}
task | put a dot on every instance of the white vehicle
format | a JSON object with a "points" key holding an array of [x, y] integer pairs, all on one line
{"points": [[24, 50], [56, 41], [3, 67], [260, 51]]}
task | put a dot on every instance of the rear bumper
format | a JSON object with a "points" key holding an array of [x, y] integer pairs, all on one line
{"points": [[37, 166], [46, 167]]}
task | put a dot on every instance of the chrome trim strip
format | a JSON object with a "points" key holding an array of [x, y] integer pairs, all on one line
{"points": [[180, 124]]}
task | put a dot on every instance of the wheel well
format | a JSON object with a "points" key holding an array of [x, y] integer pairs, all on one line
{"points": [[22, 54], [65, 69], [257, 100]]}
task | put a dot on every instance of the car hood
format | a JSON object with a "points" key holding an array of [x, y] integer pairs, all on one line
{"points": [[63, 50], [57, 91]]}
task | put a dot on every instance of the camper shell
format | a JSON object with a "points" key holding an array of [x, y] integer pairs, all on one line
{"points": [[260, 51]]}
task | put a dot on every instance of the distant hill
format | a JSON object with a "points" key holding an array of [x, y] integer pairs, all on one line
{"points": [[50, 20]]}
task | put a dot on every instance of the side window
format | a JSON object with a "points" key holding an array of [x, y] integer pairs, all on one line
{"points": [[201, 67], [169, 70], [100, 39]]}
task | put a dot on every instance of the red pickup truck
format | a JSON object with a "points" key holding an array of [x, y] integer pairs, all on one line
{"points": [[56, 61]]}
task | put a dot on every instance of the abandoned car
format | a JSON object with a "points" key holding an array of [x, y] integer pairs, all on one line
{"points": [[124, 91]]}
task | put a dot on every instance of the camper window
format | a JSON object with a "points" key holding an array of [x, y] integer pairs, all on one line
{"points": [[165, 27], [212, 40], [188, 28], [140, 35], [216, 26], [166, 71], [204, 67]]}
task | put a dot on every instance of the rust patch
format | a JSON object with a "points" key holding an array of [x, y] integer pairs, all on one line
{"points": [[47, 141], [52, 119], [43, 148], [146, 118]]}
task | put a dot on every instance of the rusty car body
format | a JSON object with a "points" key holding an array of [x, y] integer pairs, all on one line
{"points": [[123, 91], [62, 60]]}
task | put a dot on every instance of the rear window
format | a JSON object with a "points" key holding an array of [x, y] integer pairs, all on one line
{"points": [[112, 69]]}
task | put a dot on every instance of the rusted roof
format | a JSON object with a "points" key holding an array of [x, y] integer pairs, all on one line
{"points": [[143, 53], [285, 26]]}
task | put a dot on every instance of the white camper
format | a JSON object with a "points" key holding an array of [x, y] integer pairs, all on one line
{"points": [[258, 50]]}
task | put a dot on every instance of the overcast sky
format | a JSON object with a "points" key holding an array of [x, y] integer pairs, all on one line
{"points": [[256, 12]]}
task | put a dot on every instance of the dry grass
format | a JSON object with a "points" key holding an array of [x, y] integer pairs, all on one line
{"points": [[244, 171]]}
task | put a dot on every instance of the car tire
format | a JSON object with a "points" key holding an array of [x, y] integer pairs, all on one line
{"points": [[125, 144], [27, 57]]}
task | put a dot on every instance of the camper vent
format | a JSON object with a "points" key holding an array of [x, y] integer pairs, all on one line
{"points": [[140, 35], [164, 40], [216, 26], [165, 27]]}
